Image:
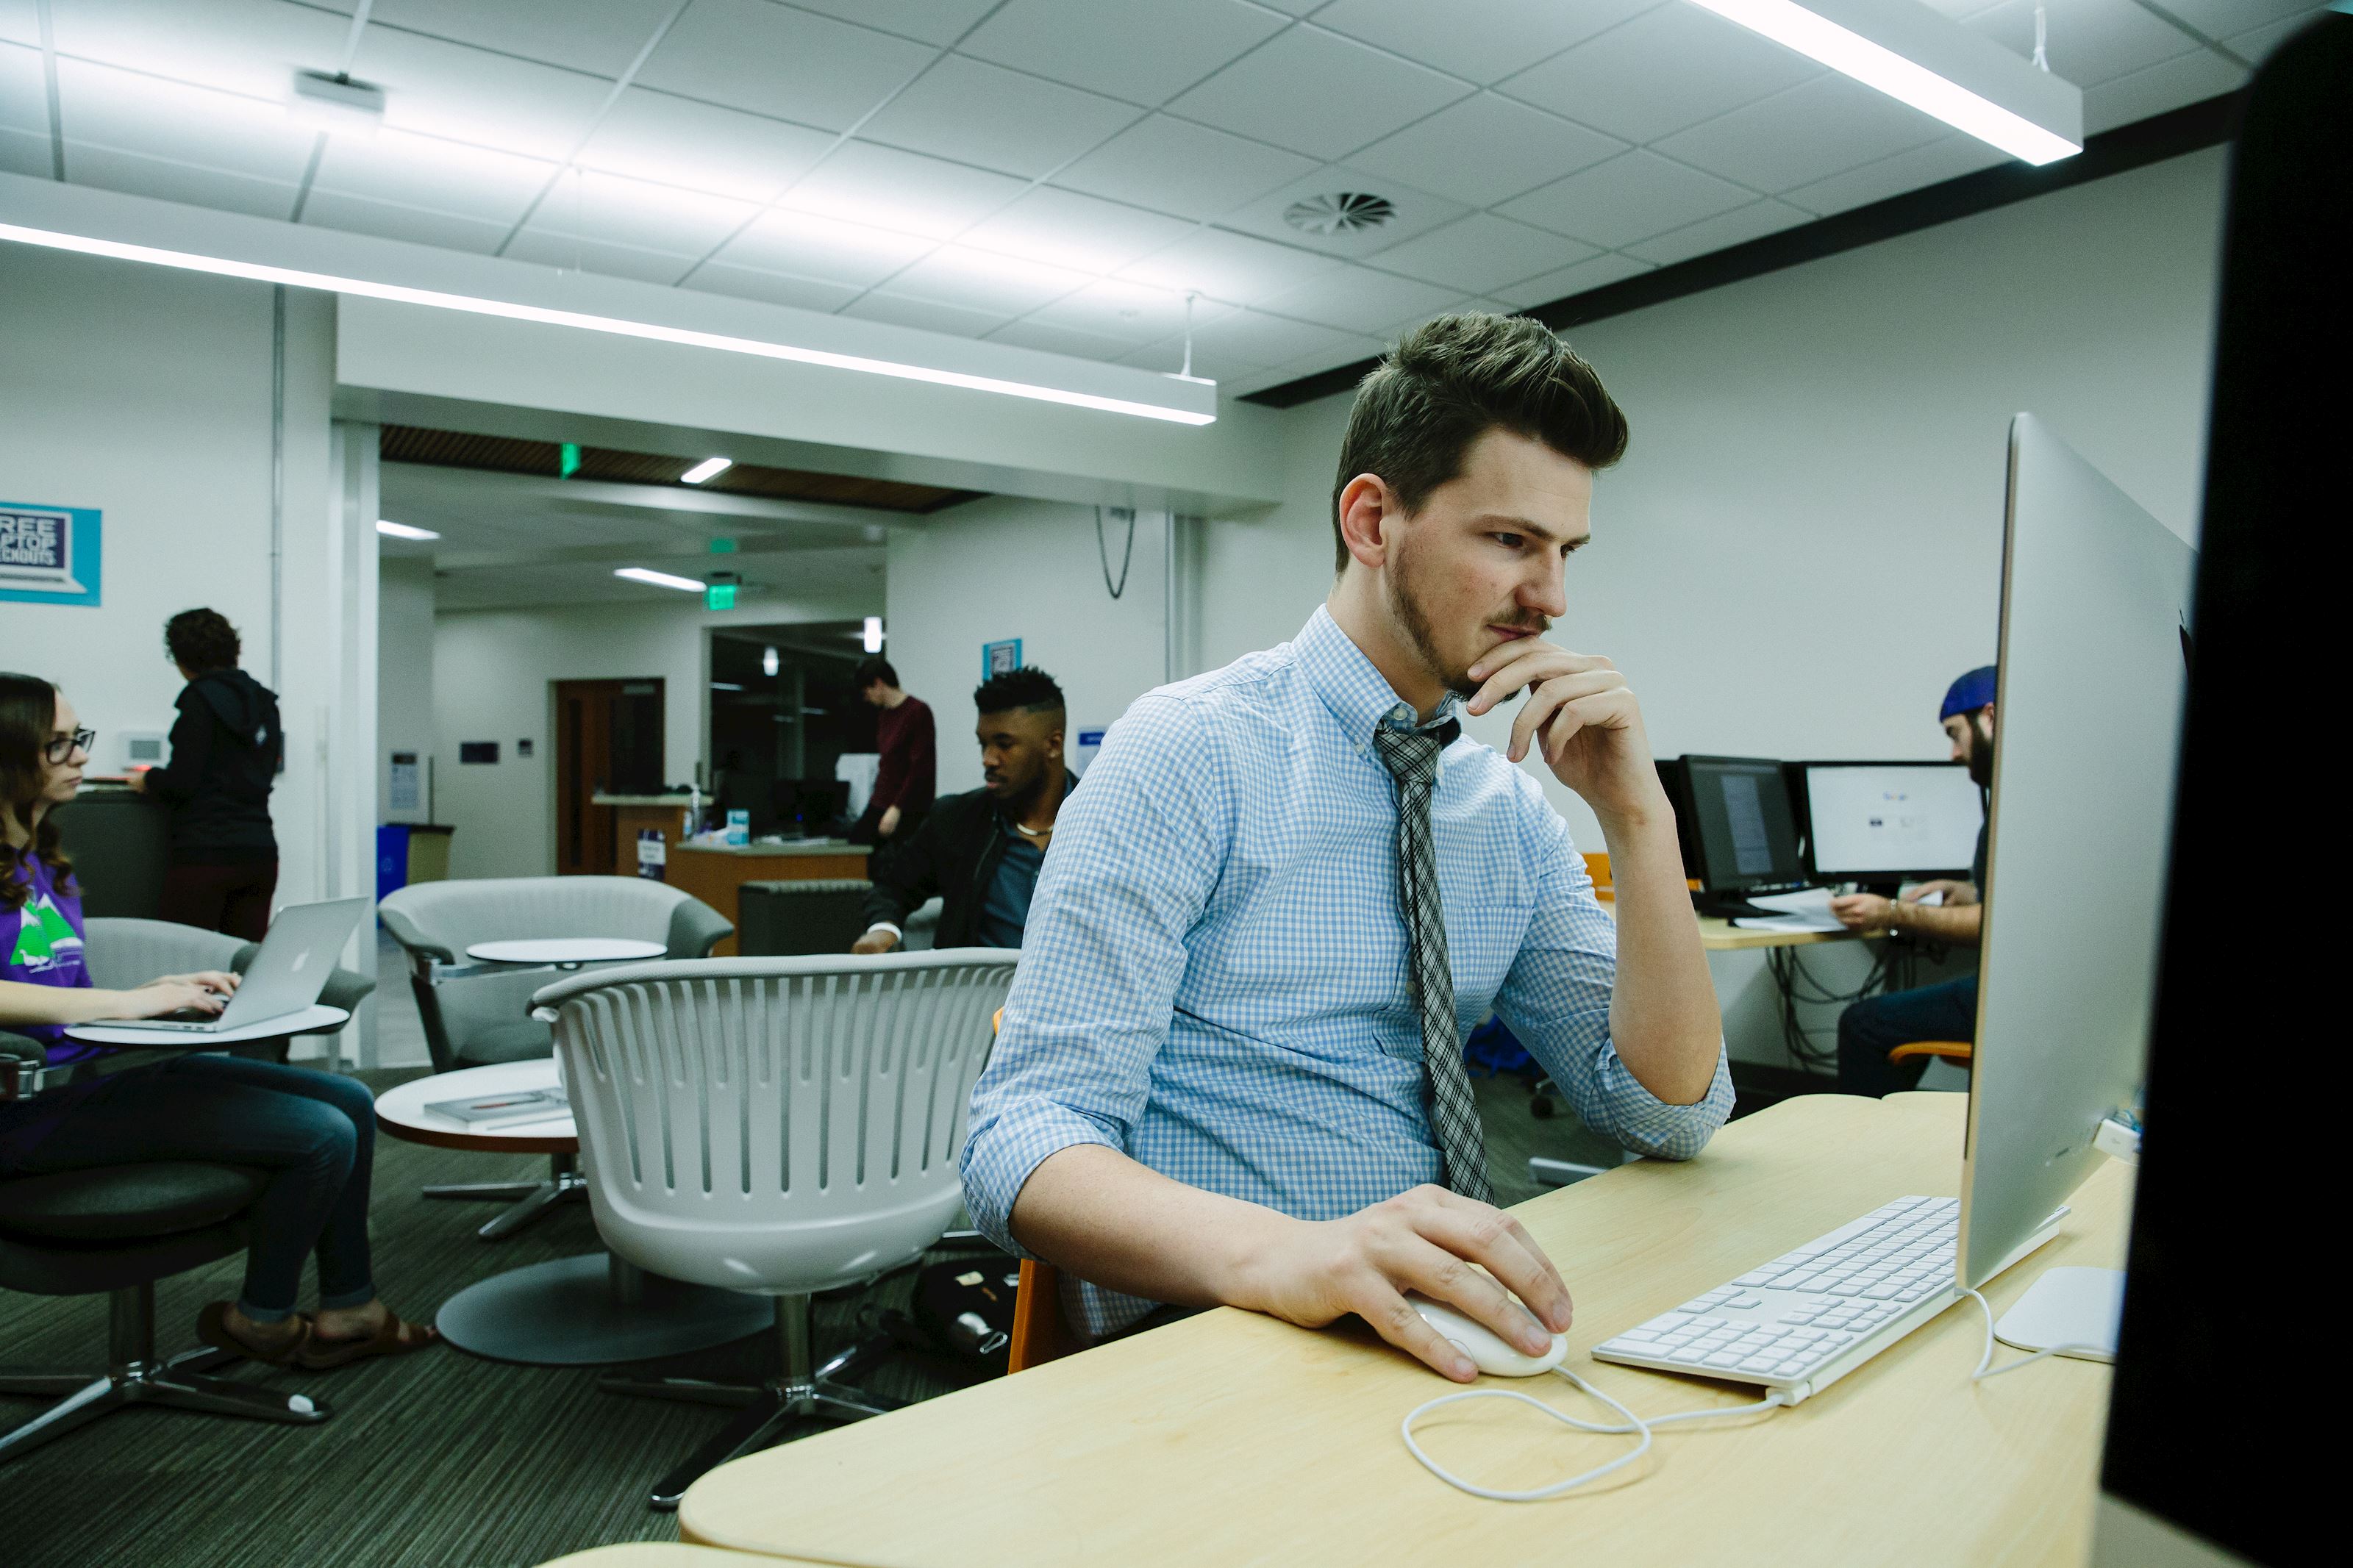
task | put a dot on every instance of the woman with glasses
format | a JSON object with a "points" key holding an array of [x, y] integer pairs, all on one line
{"points": [[313, 1133]]}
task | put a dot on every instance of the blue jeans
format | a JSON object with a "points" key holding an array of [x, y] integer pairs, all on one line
{"points": [[1871, 1028], [315, 1134]]}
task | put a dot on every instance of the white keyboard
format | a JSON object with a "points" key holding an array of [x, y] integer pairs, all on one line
{"points": [[1816, 1312]]}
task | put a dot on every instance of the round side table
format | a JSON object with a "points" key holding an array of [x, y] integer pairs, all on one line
{"points": [[596, 1310]]}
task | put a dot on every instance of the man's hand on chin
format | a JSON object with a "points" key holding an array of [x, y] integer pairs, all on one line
{"points": [[1580, 710]]}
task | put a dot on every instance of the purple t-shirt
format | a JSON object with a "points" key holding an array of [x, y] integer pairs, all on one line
{"points": [[44, 947]]}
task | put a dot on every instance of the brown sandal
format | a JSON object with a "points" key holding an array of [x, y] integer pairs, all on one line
{"points": [[212, 1327], [392, 1337]]}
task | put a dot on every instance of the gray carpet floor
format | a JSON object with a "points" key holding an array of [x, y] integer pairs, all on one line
{"points": [[437, 1460]]}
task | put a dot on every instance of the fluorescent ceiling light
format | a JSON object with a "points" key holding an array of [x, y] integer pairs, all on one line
{"points": [[402, 531], [366, 288], [873, 636], [1912, 54], [709, 468], [768, 661], [725, 685], [658, 579]]}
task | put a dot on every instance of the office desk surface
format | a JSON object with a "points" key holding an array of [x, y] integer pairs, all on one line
{"points": [[1233, 1437], [1720, 935]]}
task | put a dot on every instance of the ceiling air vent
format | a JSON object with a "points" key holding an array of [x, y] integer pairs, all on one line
{"points": [[1344, 211]]}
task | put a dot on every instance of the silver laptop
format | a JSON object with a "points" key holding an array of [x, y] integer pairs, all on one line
{"points": [[285, 977]]}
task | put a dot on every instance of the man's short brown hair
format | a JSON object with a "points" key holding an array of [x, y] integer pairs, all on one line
{"points": [[1452, 380]]}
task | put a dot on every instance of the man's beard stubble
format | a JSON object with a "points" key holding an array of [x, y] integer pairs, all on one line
{"points": [[1402, 584], [1980, 763]]}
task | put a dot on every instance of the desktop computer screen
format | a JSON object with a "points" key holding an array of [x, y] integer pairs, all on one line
{"points": [[1744, 825], [1872, 820]]}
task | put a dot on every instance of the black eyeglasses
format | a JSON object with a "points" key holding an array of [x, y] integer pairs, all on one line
{"points": [[65, 746]]}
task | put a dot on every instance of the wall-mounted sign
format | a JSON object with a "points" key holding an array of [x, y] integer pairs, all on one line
{"points": [[1000, 658], [49, 554], [1082, 755], [406, 790], [478, 752]]}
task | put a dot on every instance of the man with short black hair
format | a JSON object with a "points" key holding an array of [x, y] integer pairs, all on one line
{"points": [[908, 774], [1230, 1067], [980, 853]]}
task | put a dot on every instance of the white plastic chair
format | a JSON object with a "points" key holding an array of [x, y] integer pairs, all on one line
{"points": [[780, 1126]]}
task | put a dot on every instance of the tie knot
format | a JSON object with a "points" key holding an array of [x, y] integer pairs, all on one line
{"points": [[1410, 755]]}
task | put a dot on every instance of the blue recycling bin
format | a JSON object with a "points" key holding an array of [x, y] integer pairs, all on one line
{"points": [[391, 858]]}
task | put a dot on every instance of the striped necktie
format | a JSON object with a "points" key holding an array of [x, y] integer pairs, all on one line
{"points": [[1411, 757]]}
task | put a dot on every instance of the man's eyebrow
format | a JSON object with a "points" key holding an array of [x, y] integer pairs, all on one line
{"points": [[1534, 530]]}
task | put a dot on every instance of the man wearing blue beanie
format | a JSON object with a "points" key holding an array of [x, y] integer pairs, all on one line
{"points": [[1941, 911]]}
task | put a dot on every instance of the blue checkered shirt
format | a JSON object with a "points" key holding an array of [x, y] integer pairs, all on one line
{"points": [[1214, 977]]}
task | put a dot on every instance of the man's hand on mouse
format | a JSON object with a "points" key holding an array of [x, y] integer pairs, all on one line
{"points": [[1426, 1240]]}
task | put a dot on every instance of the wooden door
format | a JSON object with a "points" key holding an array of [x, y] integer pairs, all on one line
{"points": [[609, 740]]}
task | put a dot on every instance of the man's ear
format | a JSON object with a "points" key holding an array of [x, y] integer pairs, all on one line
{"points": [[1367, 508]]}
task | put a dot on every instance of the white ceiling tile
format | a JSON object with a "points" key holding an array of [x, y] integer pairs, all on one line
{"points": [[469, 95], [1175, 166], [1569, 281], [24, 153], [679, 141], [1317, 93], [1628, 198], [927, 314], [1485, 149], [1412, 212], [1808, 133], [1721, 232], [598, 36], [809, 245], [1486, 40], [132, 175], [905, 191], [571, 253], [1296, 7], [426, 172], [2220, 18], [980, 113], [772, 60], [1132, 312], [1234, 267], [388, 220], [181, 123], [20, 22], [1058, 340], [24, 90], [638, 213], [1461, 305], [1668, 69], [2255, 45], [252, 46], [1938, 162], [2184, 79], [1358, 299], [1140, 53], [773, 287], [2089, 41], [1258, 338], [1071, 230], [984, 281], [939, 22], [1482, 252]]}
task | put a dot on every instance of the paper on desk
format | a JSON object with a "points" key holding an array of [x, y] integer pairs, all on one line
{"points": [[1787, 922], [1804, 901]]}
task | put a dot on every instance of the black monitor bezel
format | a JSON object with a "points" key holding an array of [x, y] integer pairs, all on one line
{"points": [[1688, 809], [1801, 797]]}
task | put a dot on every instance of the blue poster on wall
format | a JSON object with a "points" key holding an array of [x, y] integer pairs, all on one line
{"points": [[999, 657], [49, 554]]}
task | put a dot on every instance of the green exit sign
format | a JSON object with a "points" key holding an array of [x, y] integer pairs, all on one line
{"points": [[719, 596]]}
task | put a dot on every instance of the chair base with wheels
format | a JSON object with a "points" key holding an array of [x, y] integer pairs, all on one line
{"points": [[800, 1390], [117, 1229]]}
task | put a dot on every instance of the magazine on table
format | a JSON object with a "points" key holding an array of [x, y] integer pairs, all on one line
{"points": [[515, 1105]]}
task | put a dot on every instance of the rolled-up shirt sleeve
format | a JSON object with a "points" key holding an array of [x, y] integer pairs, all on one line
{"points": [[1557, 1000], [1135, 859]]}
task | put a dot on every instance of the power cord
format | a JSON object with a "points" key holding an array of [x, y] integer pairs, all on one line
{"points": [[1633, 1425]]}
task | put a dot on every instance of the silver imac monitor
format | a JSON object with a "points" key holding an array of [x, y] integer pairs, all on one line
{"points": [[2087, 723], [1877, 820]]}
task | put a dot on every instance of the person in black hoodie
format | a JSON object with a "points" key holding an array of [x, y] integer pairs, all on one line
{"points": [[226, 748]]}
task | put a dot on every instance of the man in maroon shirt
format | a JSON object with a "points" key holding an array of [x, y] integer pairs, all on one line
{"points": [[909, 775]]}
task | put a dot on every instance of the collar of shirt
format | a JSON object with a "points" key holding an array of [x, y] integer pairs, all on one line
{"points": [[1358, 693]]}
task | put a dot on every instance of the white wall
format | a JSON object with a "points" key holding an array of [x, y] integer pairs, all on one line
{"points": [[492, 671], [405, 640], [1002, 568]]}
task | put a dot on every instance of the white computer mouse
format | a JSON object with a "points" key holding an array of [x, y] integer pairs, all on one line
{"points": [[1488, 1350]]}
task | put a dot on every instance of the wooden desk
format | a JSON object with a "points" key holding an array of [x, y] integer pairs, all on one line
{"points": [[1720, 935], [1232, 1437], [716, 874]]}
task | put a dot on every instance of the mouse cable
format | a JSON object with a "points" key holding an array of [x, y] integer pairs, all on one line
{"points": [[1633, 1424], [1986, 1368]]}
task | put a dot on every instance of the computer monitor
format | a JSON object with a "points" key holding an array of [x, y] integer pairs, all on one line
{"points": [[2094, 617], [1744, 826], [807, 807], [1891, 821]]}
